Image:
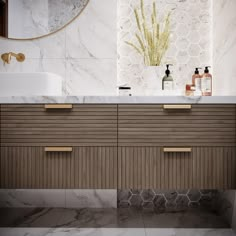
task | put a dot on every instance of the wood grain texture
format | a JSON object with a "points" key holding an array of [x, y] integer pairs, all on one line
{"points": [[214, 168], [83, 125], [84, 168], [150, 125], [150, 167]]}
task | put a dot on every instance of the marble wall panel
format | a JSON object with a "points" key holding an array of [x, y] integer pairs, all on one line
{"points": [[91, 36], [224, 47]]}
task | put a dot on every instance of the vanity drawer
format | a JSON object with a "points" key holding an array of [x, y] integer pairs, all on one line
{"points": [[198, 125], [151, 168], [77, 168], [79, 125], [197, 167]]}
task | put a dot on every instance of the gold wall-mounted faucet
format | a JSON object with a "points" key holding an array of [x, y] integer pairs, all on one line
{"points": [[6, 57]]}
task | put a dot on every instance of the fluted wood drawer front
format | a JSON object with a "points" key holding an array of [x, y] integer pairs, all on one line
{"points": [[214, 167], [151, 125], [84, 167], [150, 167], [83, 125]]}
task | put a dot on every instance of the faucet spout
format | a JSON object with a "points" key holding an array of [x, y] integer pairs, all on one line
{"points": [[6, 57]]}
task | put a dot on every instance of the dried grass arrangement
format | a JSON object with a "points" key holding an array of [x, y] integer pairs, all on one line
{"points": [[151, 41]]}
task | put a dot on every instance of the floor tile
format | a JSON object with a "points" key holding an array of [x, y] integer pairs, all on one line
{"points": [[189, 232], [97, 232], [189, 219], [24, 231]]}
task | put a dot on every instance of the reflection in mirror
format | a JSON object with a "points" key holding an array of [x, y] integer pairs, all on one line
{"points": [[26, 19]]}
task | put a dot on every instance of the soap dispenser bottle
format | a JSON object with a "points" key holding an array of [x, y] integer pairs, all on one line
{"points": [[167, 81], [206, 83], [196, 79]]}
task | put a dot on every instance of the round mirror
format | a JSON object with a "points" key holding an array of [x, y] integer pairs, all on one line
{"points": [[28, 19]]}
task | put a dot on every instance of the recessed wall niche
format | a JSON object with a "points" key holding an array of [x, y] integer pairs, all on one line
{"points": [[190, 44]]}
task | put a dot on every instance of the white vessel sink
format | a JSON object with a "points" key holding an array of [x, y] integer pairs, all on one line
{"points": [[30, 84]]}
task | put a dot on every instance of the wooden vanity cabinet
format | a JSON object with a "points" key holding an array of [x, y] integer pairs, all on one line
{"points": [[118, 146], [37, 125], [83, 168], [208, 130], [83, 137], [152, 168]]}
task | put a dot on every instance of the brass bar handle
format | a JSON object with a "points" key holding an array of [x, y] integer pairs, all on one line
{"points": [[58, 106], [58, 149], [174, 149], [177, 107]]}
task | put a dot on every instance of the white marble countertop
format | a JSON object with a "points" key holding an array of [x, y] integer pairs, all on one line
{"points": [[118, 100]]}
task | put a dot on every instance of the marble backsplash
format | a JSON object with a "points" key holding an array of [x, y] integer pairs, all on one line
{"points": [[224, 47], [190, 44], [84, 53], [91, 56]]}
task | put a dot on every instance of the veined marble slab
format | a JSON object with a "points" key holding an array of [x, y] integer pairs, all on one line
{"points": [[119, 100], [65, 198]]}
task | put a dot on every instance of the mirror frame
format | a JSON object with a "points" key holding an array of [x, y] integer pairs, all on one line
{"points": [[51, 33]]}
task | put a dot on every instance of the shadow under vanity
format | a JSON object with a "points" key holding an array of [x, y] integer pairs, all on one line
{"points": [[136, 148]]}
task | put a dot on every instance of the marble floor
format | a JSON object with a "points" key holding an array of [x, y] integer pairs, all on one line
{"points": [[106, 222]]}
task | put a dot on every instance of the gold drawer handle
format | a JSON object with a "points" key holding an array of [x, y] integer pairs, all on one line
{"points": [[172, 150], [58, 106], [58, 149], [177, 107]]}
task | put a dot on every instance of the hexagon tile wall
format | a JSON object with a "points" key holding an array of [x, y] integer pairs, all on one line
{"points": [[190, 45], [173, 200]]}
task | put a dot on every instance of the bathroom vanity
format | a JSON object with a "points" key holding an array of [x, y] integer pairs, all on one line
{"points": [[118, 143]]}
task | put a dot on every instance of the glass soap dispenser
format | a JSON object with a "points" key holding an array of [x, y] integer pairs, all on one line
{"points": [[167, 81], [206, 82]]}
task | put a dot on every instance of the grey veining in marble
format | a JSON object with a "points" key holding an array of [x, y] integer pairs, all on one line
{"points": [[91, 198], [32, 198], [190, 44], [106, 222], [120, 100], [30, 19], [224, 46], [108, 218], [83, 54], [225, 204], [64, 198], [234, 215]]}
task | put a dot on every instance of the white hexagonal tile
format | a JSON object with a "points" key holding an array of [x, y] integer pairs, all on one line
{"points": [[182, 30], [194, 50], [182, 57], [182, 43]]}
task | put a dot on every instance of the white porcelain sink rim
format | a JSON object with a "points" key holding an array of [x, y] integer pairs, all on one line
{"points": [[30, 84]]}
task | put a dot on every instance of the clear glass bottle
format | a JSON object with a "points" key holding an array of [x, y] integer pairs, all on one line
{"points": [[196, 79]]}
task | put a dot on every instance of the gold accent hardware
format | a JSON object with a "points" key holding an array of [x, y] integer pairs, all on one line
{"points": [[58, 149], [177, 149], [177, 107], [58, 106], [6, 57]]}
